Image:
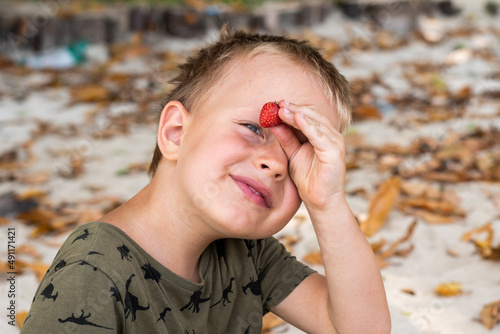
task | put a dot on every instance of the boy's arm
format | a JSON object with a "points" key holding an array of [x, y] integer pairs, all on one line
{"points": [[350, 298]]}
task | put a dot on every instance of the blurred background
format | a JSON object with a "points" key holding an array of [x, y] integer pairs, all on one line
{"points": [[82, 83]]}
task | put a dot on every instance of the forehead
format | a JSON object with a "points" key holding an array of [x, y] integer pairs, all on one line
{"points": [[262, 78]]}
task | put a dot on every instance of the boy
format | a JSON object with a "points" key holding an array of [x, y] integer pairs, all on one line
{"points": [[193, 251]]}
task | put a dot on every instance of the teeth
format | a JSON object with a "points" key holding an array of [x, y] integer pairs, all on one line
{"points": [[255, 191]]}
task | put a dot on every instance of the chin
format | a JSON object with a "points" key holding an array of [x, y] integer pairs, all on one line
{"points": [[244, 226]]}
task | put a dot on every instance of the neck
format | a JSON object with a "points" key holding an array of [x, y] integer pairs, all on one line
{"points": [[155, 222]]}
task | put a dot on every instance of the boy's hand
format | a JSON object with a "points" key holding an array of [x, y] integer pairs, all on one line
{"points": [[316, 166]]}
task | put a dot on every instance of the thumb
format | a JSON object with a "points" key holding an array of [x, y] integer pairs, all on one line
{"points": [[287, 139]]}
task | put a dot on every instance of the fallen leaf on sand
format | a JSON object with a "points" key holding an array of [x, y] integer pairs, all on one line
{"points": [[367, 112], [380, 206], [28, 250], [34, 178], [89, 93], [449, 289], [20, 318], [314, 258], [490, 314], [271, 321], [408, 291], [31, 193], [436, 206], [382, 255], [20, 266], [288, 241], [39, 269], [483, 246], [429, 217]]}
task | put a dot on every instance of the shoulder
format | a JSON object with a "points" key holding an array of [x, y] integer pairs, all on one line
{"points": [[78, 287], [98, 246]]}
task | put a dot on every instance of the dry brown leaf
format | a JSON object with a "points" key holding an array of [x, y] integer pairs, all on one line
{"points": [[376, 246], [486, 228], [392, 248], [31, 193], [314, 258], [389, 41], [459, 152], [408, 291], [9, 159], [429, 217], [361, 191], [40, 229], [35, 178], [360, 43], [4, 267], [39, 269], [270, 321], [452, 252], [449, 289], [47, 220], [18, 158], [20, 318], [366, 112], [382, 255], [404, 252], [4, 220], [463, 94], [89, 93], [74, 169], [37, 216], [484, 246], [381, 262], [448, 176], [380, 206], [138, 167], [390, 162], [490, 314], [433, 218], [426, 190], [288, 241], [19, 266], [28, 250], [435, 206]]}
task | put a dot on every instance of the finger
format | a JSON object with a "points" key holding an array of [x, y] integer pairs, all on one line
{"points": [[321, 123], [323, 135], [288, 141], [307, 111], [318, 135]]}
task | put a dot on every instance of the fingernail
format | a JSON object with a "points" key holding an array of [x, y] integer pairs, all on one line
{"points": [[302, 115], [286, 102], [286, 110]]}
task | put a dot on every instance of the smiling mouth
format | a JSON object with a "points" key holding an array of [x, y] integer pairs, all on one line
{"points": [[254, 191]]}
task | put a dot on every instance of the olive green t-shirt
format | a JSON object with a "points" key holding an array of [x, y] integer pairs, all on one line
{"points": [[101, 281]]}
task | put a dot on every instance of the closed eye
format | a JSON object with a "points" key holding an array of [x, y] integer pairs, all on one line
{"points": [[253, 127]]}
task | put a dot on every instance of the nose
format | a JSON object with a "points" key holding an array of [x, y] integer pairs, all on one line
{"points": [[272, 160]]}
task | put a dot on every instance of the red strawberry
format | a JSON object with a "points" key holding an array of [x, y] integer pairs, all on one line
{"points": [[269, 115]]}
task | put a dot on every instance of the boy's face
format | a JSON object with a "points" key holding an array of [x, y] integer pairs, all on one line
{"points": [[232, 173]]}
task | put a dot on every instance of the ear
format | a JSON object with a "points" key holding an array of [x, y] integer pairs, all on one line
{"points": [[170, 129]]}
